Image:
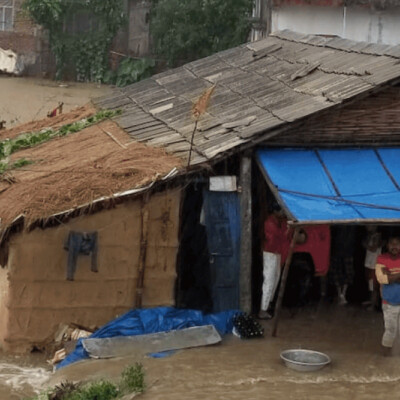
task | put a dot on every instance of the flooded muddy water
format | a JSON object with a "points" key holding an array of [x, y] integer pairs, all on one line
{"points": [[26, 99], [248, 369], [252, 369], [22, 376]]}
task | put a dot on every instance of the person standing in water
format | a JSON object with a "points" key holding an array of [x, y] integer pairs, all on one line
{"points": [[388, 275], [275, 249], [373, 244], [341, 271]]}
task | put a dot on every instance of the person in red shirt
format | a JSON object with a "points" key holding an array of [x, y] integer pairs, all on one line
{"points": [[388, 275], [314, 240], [275, 250]]}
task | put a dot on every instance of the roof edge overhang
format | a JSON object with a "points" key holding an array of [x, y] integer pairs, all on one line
{"points": [[43, 222]]}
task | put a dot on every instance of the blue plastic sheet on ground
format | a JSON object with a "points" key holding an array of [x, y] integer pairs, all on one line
{"points": [[162, 354], [152, 320]]}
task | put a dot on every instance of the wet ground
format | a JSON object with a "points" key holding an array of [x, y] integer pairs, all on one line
{"points": [[26, 99], [252, 369]]}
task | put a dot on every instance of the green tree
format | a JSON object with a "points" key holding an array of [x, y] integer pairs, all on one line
{"points": [[86, 51], [185, 30]]}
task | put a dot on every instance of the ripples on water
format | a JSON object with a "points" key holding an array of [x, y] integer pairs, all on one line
{"points": [[20, 382]]}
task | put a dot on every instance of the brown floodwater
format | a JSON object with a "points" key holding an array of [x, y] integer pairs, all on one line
{"points": [[252, 369], [22, 376], [26, 99]]}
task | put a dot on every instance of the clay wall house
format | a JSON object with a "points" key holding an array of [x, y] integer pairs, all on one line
{"points": [[288, 92], [132, 234]]}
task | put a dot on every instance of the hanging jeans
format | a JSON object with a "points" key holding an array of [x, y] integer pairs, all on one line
{"points": [[80, 243], [271, 272]]}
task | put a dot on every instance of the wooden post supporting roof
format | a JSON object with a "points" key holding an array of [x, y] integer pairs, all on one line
{"points": [[283, 282], [246, 234]]}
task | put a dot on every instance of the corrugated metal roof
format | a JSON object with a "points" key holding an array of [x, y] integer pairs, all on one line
{"points": [[260, 86]]}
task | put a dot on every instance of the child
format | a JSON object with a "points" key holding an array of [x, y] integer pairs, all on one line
{"points": [[388, 275]]}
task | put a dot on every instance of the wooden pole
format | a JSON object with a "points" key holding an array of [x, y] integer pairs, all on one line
{"points": [[246, 234], [191, 142], [142, 254], [283, 282]]}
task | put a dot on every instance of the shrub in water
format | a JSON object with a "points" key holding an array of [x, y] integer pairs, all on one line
{"points": [[133, 379]]}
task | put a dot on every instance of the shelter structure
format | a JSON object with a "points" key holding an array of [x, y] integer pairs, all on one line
{"points": [[193, 238]]}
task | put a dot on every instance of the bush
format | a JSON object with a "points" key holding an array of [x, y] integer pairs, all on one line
{"points": [[102, 390], [130, 71], [133, 379], [185, 30]]}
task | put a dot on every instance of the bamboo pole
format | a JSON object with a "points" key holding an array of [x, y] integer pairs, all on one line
{"points": [[142, 255], [283, 282]]}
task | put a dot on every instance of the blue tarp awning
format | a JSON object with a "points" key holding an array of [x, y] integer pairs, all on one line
{"points": [[335, 185]]}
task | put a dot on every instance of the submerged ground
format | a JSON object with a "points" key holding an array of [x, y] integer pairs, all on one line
{"points": [[238, 369], [26, 99]]}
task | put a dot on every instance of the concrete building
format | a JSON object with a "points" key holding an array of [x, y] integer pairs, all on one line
{"points": [[374, 21]]}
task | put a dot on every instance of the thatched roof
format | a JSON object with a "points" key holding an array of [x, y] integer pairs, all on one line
{"points": [[74, 170], [262, 90]]}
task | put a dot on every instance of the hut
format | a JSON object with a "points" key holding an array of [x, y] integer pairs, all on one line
{"points": [[177, 193]]}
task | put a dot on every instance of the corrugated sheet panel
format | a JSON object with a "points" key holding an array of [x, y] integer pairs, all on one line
{"points": [[260, 87]]}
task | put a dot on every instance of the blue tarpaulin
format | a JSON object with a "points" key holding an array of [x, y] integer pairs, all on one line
{"points": [[339, 185], [152, 320]]}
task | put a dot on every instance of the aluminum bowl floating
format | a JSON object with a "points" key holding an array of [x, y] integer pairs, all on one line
{"points": [[304, 360]]}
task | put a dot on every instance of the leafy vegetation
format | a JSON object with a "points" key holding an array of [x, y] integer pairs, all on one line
{"points": [[84, 49], [31, 139], [132, 381], [22, 162], [130, 71], [185, 30]]}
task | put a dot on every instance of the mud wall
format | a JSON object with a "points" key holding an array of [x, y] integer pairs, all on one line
{"points": [[40, 297], [3, 303]]}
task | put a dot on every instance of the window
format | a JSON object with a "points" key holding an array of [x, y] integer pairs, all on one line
{"points": [[6, 15]]}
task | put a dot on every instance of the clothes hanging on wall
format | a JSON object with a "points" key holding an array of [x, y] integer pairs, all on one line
{"points": [[85, 243]]}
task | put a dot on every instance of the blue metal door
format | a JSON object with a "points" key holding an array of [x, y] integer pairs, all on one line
{"points": [[222, 219]]}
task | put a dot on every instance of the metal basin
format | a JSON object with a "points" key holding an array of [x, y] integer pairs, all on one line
{"points": [[304, 360]]}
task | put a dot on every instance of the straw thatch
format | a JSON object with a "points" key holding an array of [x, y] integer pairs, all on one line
{"points": [[76, 169]]}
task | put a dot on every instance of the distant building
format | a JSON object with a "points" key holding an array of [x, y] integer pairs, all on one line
{"points": [[375, 21], [21, 35]]}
